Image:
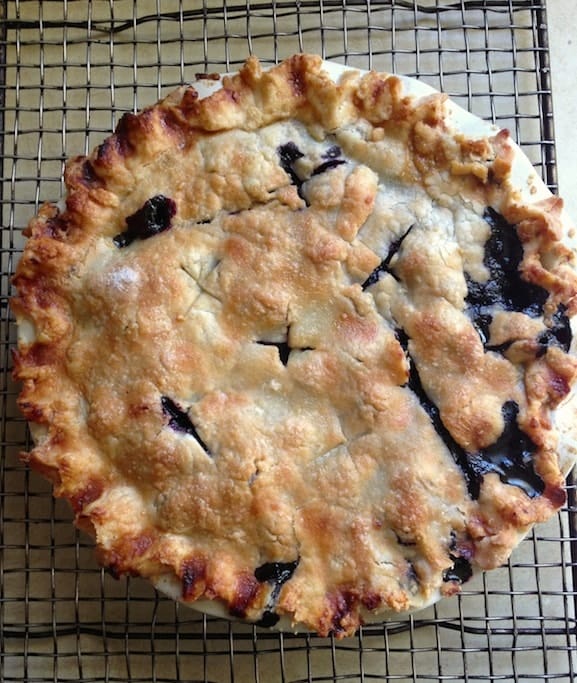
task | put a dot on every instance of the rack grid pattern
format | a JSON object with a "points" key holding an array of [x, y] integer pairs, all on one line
{"points": [[68, 70]]}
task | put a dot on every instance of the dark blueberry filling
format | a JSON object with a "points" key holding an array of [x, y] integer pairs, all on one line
{"points": [[179, 420], [283, 349], [505, 288], [89, 176], [453, 541], [412, 577], [332, 152], [559, 334], [288, 154], [461, 571], [152, 218], [510, 457], [384, 265], [327, 165], [499, 348], [277, 573]]}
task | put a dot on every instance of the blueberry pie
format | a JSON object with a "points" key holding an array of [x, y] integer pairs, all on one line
{"points": [[301, 349]]}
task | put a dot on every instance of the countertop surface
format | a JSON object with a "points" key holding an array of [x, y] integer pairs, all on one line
{"points": [[562, 19]]}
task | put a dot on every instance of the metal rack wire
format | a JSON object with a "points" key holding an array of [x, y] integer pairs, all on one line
{"points": [[68, 70]]}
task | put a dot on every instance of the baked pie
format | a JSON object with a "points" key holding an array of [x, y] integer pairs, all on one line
{"points": [[301, 349]]}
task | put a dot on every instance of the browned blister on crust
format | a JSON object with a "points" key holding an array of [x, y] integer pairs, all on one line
{"points": [[298, 347]]}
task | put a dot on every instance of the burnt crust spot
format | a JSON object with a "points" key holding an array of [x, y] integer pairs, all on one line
{"points": [[193, 578], [155, 216], [247, 588], [38, 355], [50, 222], [558, 334], [511, 456], [123, 559], [344, 610], [556, 494], [289, 153], [119, 142], [460, 572]]}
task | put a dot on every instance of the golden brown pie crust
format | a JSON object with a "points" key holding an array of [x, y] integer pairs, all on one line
{"points": [[232, 405]]}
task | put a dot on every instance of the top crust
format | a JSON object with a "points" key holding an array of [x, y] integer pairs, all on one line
{"points": [[298, 394]]}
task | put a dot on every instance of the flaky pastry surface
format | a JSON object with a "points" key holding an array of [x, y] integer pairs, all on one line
{"points": [[297, 347]]}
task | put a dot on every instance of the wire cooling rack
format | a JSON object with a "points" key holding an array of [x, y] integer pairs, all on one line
{"points": [[68, 71]]}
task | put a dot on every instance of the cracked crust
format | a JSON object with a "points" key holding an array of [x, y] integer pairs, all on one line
{"points": [[282, 401]]}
